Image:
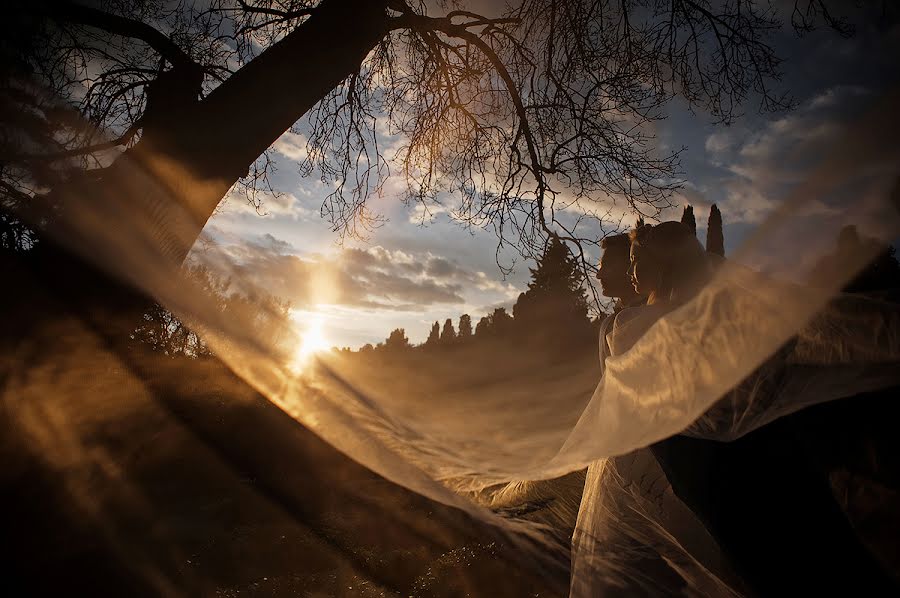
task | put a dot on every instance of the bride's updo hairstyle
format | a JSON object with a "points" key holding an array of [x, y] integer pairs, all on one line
{"points": [[673, 257]]}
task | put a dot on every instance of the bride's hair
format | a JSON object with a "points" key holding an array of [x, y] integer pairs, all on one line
{"points": [[683, 264]]}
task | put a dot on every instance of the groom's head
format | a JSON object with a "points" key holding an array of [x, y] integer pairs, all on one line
{"points": [[613, 270]]}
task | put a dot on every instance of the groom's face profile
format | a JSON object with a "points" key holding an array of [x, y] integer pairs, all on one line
{"points": [[613, 271]]}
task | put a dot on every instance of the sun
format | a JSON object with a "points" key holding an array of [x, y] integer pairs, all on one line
{"points": [[312, 341]]}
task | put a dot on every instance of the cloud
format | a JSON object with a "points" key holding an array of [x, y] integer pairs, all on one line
{"points": [[442, 268], [280, 204], [374, 277], [421, 213], [275, 244], [765, 165], [291, 146], [720, 143]]}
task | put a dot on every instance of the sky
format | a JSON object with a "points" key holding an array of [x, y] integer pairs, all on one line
{"points": [[415, 270]]}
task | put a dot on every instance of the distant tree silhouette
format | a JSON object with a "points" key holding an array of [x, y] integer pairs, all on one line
{"points": [[448, 334], [882, 274], [434, 336], [483, 328], [497, 324], [501, 322], [688, 219], [367, 348], [465, 327], [396, 341], [715, 237], [554, 303]]}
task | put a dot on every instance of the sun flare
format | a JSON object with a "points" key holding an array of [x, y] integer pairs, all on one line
{"points": [[313, 340]]}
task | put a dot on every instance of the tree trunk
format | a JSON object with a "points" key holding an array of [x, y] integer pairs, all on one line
{"points": [[165, 188]]}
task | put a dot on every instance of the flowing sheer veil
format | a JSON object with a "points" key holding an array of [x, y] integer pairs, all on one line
{"points": [[703, 369]]}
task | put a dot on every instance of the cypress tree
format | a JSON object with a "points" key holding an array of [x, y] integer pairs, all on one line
{"points": [[448, 334], [687, 218], [715, 237], [434, 336], [465, 327]]}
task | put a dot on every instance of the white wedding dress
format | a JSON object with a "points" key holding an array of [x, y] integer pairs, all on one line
{"points": [[633, 536]]}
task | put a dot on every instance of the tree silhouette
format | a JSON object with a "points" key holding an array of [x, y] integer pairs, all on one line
{"points": [[503, 107], [715, 237], [434, 336], [554, 303], [497, 324], [396, 341], [501, 321], [448, 334], [687, 218], [881, 274], [262, 316], [465, 327], [483, 328]]}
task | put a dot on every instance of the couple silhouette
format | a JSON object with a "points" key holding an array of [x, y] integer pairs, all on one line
{"points": [[687, 515]]}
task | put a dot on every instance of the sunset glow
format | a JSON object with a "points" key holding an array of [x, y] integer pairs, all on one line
{"points": [[312, 340]]}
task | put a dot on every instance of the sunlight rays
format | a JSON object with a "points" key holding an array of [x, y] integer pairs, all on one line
{"points": [[313, 340]]}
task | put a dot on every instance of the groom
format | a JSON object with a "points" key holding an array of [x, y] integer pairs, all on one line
{"points": [[613, 271], [615, 283]]}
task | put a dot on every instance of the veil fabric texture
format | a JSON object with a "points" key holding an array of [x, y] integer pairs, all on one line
{"points": [[748, 349]]}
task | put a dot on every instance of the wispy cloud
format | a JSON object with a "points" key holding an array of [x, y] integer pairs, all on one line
{"points": [[281, 204], [374, 277], [764, 164], [291, 146]]}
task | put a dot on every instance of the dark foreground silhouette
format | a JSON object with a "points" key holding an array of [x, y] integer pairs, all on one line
{"points": [[769, 498]]}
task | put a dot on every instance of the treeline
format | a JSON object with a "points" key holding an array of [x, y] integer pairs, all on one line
{"points": [[551, 313]]}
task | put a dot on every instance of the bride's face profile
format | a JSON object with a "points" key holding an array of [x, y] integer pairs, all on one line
{"points": [[643, 270]]}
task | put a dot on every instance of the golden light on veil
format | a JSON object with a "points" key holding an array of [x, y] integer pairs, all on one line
{"points": [[313, 339]]}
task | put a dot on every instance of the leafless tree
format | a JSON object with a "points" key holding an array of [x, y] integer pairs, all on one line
{"points": [[532, 119]]}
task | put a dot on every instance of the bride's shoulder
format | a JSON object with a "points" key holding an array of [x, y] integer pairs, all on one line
{"points": [[626, 328], [628, 315], [631, 323]]}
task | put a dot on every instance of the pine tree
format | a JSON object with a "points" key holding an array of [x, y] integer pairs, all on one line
{"points": [[465, 327], [434, 337], [687, 218], [555, 298], [715, 237], [448, 334], [553, 310]]}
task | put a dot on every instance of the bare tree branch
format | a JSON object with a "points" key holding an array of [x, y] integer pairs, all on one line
{"points": [[84, 15]]}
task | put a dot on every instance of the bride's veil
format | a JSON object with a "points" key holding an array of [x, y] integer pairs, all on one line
{"points": [[685, 374]]}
